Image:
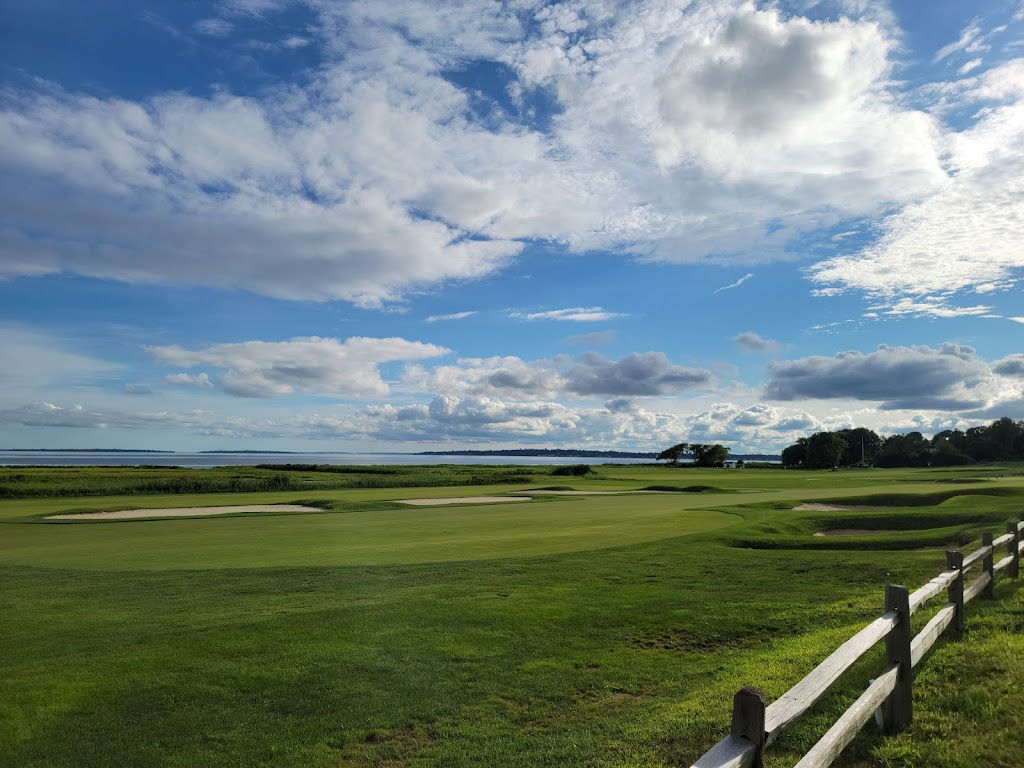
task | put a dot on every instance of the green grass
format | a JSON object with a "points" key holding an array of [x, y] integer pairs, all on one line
{"points": [[564, 631], [39, 482]]}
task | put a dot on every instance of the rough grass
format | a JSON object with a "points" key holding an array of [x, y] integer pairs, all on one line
{"points": [[598, 651], [44, 482]]}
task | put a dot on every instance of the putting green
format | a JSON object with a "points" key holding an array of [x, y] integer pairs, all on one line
{"points": [[358, 538]]}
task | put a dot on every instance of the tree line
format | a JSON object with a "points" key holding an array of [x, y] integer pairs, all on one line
{"points": [[701, 454], [1002, 440]]}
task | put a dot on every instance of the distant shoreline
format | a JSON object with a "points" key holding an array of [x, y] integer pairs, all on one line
{"points": [[584, 454], [548, 453]]}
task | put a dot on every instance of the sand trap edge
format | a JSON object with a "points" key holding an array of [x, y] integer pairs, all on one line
{"points": [[134, 514]]}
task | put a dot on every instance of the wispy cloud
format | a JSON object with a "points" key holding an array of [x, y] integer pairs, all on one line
{"points": [[738, 283], [572, 314], [968, 39], [198, 380], [213, 27], [452, 316]]}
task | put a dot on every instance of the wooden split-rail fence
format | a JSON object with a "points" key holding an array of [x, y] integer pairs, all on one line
{"points": [[755, 725]]}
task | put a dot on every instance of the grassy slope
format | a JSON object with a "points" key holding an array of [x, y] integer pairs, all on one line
{"points": [[606, 650]]}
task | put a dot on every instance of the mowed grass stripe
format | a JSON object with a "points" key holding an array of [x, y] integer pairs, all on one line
{"points": [[359, 538]]}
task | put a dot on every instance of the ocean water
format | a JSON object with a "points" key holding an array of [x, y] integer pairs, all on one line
{"points": [[202, 460]]}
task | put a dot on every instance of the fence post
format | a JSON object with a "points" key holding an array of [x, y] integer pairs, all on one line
{"points": [[898, 709], [1013, 549], [748, 707], [955, 561], [987, 566]]}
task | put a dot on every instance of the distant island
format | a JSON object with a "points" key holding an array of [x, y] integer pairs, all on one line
{"points": [[581, 454]]}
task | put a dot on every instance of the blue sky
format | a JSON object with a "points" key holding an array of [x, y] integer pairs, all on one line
{"points": [[411, 225]]}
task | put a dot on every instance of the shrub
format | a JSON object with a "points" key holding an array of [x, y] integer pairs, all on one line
{"points": [[574, 470]]}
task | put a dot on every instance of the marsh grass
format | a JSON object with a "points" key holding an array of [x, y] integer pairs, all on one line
{"points": [[46, 482]]}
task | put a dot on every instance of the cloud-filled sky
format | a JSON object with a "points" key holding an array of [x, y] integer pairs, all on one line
{"points": [[311, 225]]}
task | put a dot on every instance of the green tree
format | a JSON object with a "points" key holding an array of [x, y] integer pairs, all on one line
{"points": [[825, 450], [796, 454], [909, 450], [672, 454], [861, 446], [709, 455]]}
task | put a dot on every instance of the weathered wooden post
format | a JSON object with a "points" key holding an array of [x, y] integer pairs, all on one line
{"points": [[748, 707], [955, 592], [898, 709], [1013, 549], [987, 566]]}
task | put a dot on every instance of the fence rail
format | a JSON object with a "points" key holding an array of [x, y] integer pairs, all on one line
{"points": [[755, 725]]}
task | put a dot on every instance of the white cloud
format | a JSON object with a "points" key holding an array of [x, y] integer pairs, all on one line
{"points": [[645, 374], [968, 38], [967, 234], [213, 27], [681, 131], [198, 380], [969, 66], [737, 284], [317, 365], [452, 316], [574, 314]]}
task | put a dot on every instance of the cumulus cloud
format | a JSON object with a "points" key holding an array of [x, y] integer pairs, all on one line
{"points": [[312, 364], [753, 342], [644, 374], [679, 131], [1012, 365], [951, 377], [636, 374], [573, 314], [620, 404], [621, 424]]}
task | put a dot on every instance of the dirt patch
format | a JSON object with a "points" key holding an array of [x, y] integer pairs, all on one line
{"points": [[855, 532], [133, 514], [834, 508], [463, 500]]}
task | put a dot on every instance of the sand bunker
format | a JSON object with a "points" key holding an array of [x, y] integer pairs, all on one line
{"points": [[854, 532], [463, 500], [833, 507], [542, 492], [129, 514]]}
